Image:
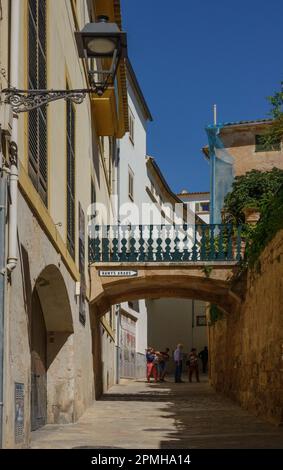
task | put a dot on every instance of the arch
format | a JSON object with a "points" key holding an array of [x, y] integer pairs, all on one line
{"points": [[51, 328], [54, 299], [153, 281]]}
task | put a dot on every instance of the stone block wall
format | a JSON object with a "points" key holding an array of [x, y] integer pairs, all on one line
{"points": [[246, 347]]}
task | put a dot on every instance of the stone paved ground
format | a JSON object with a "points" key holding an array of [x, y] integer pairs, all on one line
{"points": [[160, 416]]}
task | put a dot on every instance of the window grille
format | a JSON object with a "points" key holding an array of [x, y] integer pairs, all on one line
{"points": [[70, 178], [37, 76]]}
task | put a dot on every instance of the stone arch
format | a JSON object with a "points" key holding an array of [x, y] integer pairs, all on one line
{"points": [[166, 285], [51, 349]]}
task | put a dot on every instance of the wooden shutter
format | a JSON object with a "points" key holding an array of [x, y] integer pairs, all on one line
{"points": [[70, 178], [37, 119]]}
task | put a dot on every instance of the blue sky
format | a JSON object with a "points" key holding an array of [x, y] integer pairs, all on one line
{"points": [[190, 54]]}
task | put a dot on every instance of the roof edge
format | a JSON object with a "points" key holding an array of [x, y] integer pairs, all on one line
{"points": [[136, 86]]}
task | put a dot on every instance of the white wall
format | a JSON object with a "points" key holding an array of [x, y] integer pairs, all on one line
{"points": [[171, 321], [132, 155]]}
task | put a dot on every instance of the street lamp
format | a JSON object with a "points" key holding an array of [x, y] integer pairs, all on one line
{"points": [[99, 44], [103, 42]]}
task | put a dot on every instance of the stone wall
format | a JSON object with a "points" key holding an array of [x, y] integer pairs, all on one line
{"points": [[246, 347]]}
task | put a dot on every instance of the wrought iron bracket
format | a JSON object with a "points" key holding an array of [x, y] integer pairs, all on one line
{"points": [[23, 101]]}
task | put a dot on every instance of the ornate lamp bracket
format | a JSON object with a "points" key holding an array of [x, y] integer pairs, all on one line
{"points": [[23, 101]]}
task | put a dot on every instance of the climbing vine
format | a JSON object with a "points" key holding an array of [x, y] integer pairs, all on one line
{"points": [[270, 223], [254, 190], [215, 314]]}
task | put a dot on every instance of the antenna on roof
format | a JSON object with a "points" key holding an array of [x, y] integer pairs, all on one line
{"points": [[215, 114]]}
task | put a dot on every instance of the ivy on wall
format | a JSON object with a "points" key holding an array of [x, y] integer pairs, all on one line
{"points": [[254, 190], [270, 223], [263, 191], [215, 314]]}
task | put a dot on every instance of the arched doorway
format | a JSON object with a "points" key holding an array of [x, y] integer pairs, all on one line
{"points": [[38, 365], [51, 326]]}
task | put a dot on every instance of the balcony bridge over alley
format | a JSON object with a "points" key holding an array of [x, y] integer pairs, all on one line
{"points": [[182, 261]]}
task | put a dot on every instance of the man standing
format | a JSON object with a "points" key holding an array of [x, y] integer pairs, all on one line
{"points": [[203, 355], [178, 358]]}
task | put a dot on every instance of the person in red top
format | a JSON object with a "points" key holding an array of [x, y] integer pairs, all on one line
{"points": [[151, 364], [193, 365]]}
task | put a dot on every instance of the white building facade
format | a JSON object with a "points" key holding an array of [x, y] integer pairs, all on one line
{"points": [[132, 180]]}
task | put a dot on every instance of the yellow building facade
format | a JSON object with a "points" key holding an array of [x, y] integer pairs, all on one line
{"points": [[57, 358]]}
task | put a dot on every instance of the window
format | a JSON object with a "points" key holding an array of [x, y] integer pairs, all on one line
{"points": [[202, 207], [262, 145], [134, 304], [111, 155], [82, 309], [131, 185], [37, 79], [107, 150], [70, 178], [131, 127], [93, 192]]}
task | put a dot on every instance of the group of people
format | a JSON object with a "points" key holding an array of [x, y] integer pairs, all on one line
{"points": [[157, 363], [191, 363]]}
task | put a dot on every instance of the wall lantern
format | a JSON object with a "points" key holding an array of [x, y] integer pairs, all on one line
{"points": [[101, 42], [101, 45]]}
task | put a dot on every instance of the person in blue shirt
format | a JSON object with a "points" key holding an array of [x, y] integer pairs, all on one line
{"points": [[178, 359]]}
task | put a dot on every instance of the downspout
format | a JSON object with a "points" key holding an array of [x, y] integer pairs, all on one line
{"points": [[118, 307], [118, 321], [14, 82], [3, 192]]}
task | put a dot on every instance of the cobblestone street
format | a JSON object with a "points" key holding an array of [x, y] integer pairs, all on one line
{"points": [[160, 416]]}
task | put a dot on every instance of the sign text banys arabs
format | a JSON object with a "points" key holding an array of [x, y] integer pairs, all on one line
{"points": [[118, 273]]}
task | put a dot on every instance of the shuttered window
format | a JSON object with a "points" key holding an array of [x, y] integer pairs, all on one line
{"points": [[70, 178], [37, 76], [131, 184]]}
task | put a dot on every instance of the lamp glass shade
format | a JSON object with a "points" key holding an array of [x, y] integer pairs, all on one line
{"points": [[101, 46]]}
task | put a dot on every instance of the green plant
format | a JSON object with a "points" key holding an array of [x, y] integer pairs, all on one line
{"points": [[270, 223], [207, 270], [215, 313], [255, 189], [275, 132]]}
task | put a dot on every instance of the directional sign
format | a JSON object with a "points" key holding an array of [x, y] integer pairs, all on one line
{"points": [[118, 273]]}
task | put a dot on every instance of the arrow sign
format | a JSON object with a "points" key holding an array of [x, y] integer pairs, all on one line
{"points": [[118, 273]]}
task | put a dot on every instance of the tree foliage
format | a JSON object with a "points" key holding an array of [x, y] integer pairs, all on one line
{"points": [[275, 132], [255, 189]]}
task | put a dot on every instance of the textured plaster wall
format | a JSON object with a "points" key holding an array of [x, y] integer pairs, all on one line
{"points": [[70, 369]]}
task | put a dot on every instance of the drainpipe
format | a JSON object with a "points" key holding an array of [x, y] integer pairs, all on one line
{"points": [[3, 189], [118, 320], [118, 307], [13, 209], [14, 82]]}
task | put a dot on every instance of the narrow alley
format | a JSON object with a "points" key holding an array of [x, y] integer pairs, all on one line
{"points": [[136, 415]]}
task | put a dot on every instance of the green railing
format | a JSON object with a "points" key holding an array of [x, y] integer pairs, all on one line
{"points": [[165, 243]]}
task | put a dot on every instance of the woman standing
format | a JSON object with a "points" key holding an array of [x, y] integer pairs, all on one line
{"points": [[193, 365]]}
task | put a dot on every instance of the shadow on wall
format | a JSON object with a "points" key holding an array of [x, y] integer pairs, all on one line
{"points": [[97, 357]]}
